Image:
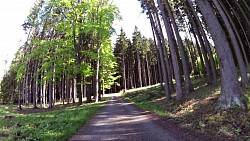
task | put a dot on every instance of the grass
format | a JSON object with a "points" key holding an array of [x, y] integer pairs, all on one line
{"points": [[197, 110], [54, 125]]}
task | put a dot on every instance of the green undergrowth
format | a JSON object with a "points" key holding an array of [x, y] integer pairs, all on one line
{"points": [[197, 110], [55, 125]]}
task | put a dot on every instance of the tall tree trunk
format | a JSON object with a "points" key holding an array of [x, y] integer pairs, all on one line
{"points": [[158, 76], [97, 76], [34, 89], [73, 89], [124, 70], [237, 34], [148, 72], [165, 53], [51, 93], [200, 55], [231, 93], [202, 47], [144, 73], [162, 60], [206, 43], [179, 93], [139, 68], [243, 69], [188, 85], [78, 62], [19, 95]]}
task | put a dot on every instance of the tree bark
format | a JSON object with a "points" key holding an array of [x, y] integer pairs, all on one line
{"points": [[236, 47], [97, 77], [188, 85], [162, 60], [231, 93], [179, 93], [206, 45]]}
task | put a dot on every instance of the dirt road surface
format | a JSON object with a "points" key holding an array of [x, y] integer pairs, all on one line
{"points": [[122, 121]]}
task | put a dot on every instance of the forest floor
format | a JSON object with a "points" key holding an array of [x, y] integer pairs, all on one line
{"points": [[196, 112], [142, 115]]}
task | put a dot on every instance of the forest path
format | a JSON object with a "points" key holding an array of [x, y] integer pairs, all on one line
{"points": [[120, 120]]}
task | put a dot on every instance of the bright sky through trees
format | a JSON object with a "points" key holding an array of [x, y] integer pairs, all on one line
{"points": [[14, 12], [12, 15]]}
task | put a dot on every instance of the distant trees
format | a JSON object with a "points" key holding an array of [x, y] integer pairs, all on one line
{"points": [[137, 61]]}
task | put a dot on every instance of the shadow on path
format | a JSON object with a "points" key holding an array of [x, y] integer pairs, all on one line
{"points": [[122, 121]]}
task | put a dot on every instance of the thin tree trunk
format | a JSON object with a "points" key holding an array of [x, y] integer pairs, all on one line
{"points": [[124, 70], [162, 60], [97, 76], [148, 72], [35, 85], [139, 68], [206, 43], [77, 54], [197, 32], [165, 53], [19, 95], [179, 93], [188, 85]]}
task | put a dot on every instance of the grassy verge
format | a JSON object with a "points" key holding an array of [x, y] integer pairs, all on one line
{"points": [[196, 111], [57, 125]]}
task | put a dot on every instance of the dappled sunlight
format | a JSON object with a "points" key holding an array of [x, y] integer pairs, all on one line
{"points": [[111, 95], [124, 121], [142, 88], [57, 124], [195, 111], [160, 99]]}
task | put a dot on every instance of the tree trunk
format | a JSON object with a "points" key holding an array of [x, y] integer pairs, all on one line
{"points": [[231, 93], [202, 47], [243, 69], [206, 44], [73, 89], [177, 75], [34, 88], [237, 34], [139, 68], [148, 72], [124, 70], [162, 60], [78, 61], [51, 94], [188, 85], [97, 76], [19, 96]]}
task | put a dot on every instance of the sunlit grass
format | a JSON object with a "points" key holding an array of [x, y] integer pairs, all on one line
{"points": [[57, 125]]}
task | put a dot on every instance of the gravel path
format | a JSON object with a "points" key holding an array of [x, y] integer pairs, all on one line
{"points": [[123, 121]]}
